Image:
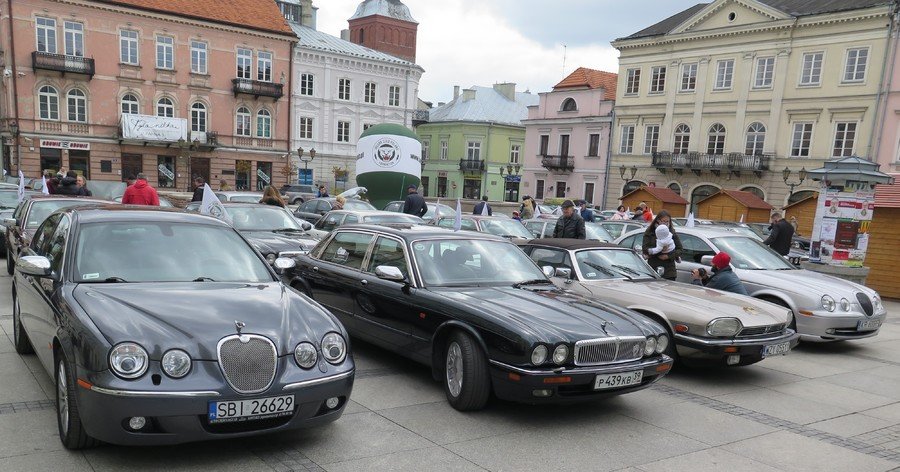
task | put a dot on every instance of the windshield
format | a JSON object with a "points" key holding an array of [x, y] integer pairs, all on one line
{"points": [[261, 218], [395, 219], [595, 232], [9, 199], [40, 210], [472, 263], [601, 264], [245, 198], [745, 231], [505, 228], [445, 211], [750, 254], [164, 252], [358, 205]]}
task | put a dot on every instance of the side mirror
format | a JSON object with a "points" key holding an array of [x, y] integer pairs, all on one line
{"points": [[306, 226], [284, 263], [9, 222], [706, 260], [389, 273], [564, 273], [38, 266], [549, 271]]}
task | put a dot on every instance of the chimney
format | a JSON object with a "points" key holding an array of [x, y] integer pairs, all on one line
{"points": [[468, 94], [455, 92], [345, 34], [440, 104], [508, 90]]}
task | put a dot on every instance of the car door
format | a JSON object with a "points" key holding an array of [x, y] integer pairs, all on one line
{"points": [[15, 235], [330, 221], [334, 276], [692, 253]]}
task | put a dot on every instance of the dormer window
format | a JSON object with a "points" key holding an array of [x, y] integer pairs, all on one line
{"points": [[290, 11], [569, 105]]}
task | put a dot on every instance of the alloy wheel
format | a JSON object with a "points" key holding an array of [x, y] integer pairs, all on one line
{"points": [[62, 397], [454, 369]]}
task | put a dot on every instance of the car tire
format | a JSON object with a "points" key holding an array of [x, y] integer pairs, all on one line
{"points": [[780, 302], [467, 382], [20, 337], [71, 430]]}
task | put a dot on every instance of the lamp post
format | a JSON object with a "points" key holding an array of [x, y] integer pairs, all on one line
{"points": [[312, 156], [786, 174], [623, 170], [512, 170]]}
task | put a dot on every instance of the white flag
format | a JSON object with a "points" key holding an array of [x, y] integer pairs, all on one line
{"points": [[437, 210], [21, 186], [537, 209], [457, 223], [210, 205], [484, 209], [690, 220], [45, 189], [742, 218]]}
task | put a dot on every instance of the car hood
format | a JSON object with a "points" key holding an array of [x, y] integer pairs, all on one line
{"points": [[195, 316], [550, 315], [268, 242], [806, 282]]}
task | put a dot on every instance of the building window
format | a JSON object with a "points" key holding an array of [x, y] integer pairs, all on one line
{"points": [[290, 11], [514, 152], [626, 145], [756, 139], [689, 77], [765, 72], [244, 64], [442, 187], [811, 73], [844, 139], [165, 166], [724, 74], [343, 131], [715, 143], [632, 81], [48, 101], [855, 69], [165, 108], [473, 150], [589, 192], [264, 66], [344, 89], [306, 85], [369, 95], [564, 145], [128, 47], [243, 122], [426, 147], [569, 105], [682, 139], [594, 145], [198, 118], [165, 52], [394, 96], [539, 189], [545, 145], [561, 189], [46, 35], [306, 128], [675, 188], [658, 79], [445, 150], [651, 139], [263, 124], [366, 126], [76, 105], [130, 105], [198, 57], [801, 139], [73, 33]]}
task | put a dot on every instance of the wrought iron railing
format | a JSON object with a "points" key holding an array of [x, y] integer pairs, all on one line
{"points": [[558, 163], [695, 161], [258, 88], [471, 165], [62, 63]]}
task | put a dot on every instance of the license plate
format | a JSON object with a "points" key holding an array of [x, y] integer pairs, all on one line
{"points": [[249, 410], [868, 325], [625, 379], [776, 349]]}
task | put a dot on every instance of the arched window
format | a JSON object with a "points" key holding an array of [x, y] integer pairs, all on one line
{"points": [[801, 195], [755, 191], [702, 193], [198, 118], [682, 139], [756, 139], [48, 101], [263, 124], [130, 104], [675, 187], [569, 105], [716, 141], [165, 108], [243, 122], [632, 186], [76, 104]]}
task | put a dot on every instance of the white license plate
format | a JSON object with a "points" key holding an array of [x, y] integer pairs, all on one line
{"points": [[247, 410], [868, 325], [776, 349], [625, 379]]}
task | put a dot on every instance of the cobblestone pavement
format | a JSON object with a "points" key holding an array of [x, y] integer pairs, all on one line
{"points": [[823, 407]]}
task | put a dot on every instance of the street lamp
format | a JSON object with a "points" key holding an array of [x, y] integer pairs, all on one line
{"points": [[786, 174], [511, 171], [185, 152], [623, 170]]}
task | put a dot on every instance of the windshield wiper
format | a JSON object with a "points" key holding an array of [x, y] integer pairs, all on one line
{"points": [[601, 269], [531, 282], [203, 279], [288, 230], [112, 280]]}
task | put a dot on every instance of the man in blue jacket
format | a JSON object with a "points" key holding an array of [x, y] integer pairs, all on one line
{"points": [[722, 278]]}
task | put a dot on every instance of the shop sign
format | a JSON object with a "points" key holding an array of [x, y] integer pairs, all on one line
{"points": [[262, 175], [58, 144], [153, 128], [166, 172]]}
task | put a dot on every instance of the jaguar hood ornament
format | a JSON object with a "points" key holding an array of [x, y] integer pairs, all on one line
{"points": [[239, 325]]}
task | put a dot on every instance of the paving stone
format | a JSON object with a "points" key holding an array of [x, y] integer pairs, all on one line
{"points": [[792, 452], [851, 425], [709, 460], [433, 458]]}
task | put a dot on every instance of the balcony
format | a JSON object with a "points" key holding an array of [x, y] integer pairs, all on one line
{"points": [[733, 163], [205, 142], [253, 142], [558, 163], [62, 63], [421, 117], [472, 166], [257, 88]]}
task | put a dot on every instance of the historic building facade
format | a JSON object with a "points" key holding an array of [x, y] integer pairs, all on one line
{"points": [[172, 89], [744, 94]]}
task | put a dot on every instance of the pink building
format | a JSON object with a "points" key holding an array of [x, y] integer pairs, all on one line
{"points": [[170, 88], [567, 138], [887, 133]]}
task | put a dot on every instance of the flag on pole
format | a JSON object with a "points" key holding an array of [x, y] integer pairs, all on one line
{"points": [[21, 186], [690, 220], [537, 209], [457, 223], [210, 205], [484, 209], [44, 189], [742, 218], [437, 210]]}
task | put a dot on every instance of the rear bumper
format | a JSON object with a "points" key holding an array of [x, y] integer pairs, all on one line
{"points": [[718, 350]]}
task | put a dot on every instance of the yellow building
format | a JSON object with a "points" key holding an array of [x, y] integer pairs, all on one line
{"points": [[731, 93]]}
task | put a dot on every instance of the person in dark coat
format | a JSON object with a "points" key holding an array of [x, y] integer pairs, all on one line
{"points": [[666, 260], [570, 224], [323, 192], [722, 278], [414, 204], [586, 213], [69, 186], [479, 207], [198, 189], [82, 184], [781, 236], [52, 182]]}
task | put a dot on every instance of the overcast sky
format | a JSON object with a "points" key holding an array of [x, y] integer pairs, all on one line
{"points": [[481, 42]]}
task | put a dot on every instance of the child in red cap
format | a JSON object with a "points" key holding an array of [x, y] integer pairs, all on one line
{"points": [[722, 278]]}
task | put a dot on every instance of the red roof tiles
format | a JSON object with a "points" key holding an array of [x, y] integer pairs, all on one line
{"points": [[747, 199], [888, 196], [254, 14], [592, 79]]}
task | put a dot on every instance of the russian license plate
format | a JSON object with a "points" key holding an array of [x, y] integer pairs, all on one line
{"points": [[625, 379], [868, 325], [249, 410], [776, 349]]}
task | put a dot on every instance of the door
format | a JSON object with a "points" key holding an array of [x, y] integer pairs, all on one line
{"points": [[200, 168], [334, 277], [386, 307], [80, 162], [132, 165]]}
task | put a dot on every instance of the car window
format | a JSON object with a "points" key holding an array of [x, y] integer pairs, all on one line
{"points": [[40, 210], [536, 228], [556, 258], [601, 264], [308, 207], [615, 230], [358, 205], [505, 228], [468, 225], [261, 218], [330, 221], [347, 249], [473, 262], [631, 242], [323, 205], [597, 233], [351, 219], [395, 207], [694, 248], [41, 241], [246, 198], [388, 252], [56, 245]]}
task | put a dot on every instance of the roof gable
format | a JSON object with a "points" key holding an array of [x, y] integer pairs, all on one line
{"points": [[253, 14], [311, 38], [719, 15], [584, 78], [747, 199], [814, 196], [665, 195]]}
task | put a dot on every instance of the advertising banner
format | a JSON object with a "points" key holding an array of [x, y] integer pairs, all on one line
{"points": [[153, 128], [841, 228]]}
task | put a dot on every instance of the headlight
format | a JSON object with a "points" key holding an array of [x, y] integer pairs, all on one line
{"points": [[650, 347], [724, 327], [828, 303], [662, 342], [845, 304], [305, 355], [176, 363], [539, 355], [270, 258], [560, 354], [128, 360], [877, 305], [334, 348]]}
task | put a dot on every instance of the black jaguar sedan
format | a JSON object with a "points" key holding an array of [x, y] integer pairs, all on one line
{"points": [[162, 327], [481, 313]]}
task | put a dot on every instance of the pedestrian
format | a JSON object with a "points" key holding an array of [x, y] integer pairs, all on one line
{"points": [[639, 213], [69, 185], [781, 236], [223, 186], [570, 225], [483, 208], [51, 180], [339, 202], [586, 213], [323, 193], [82, 184], [198, 189], [517, 216], [129, 180], [272, 197], [655, 257], [527, 208], [141, 193], [648, 213], [722, 278], [620, 214], [414, 204]]}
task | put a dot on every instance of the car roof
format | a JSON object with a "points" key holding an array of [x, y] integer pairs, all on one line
{"points": [[247, 204], [365, 213], [414, 232], [237, 192], [137, 213], [571, 244]]}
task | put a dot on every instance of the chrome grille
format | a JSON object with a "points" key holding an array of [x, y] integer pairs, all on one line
{"points": [[866, 303], [760, 330], [609, 350], [248, 362]]}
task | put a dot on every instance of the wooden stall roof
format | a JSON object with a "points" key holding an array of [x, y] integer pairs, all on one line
{"points": [[814, 196], [747, 199], [662, 194], [888, 196]]}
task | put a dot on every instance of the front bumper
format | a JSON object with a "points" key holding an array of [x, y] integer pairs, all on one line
{"points": [[827, 326], [717, 351], [574, 384]]}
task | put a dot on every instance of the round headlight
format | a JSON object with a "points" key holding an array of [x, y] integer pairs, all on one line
{"points": [[560, 354], [334, 348], [305, 355], [539, 355], [662, 342], [176, 363], [650, 347], [828, 303], [845, 304], [128, 360], [270, 258], [724, 327]]}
